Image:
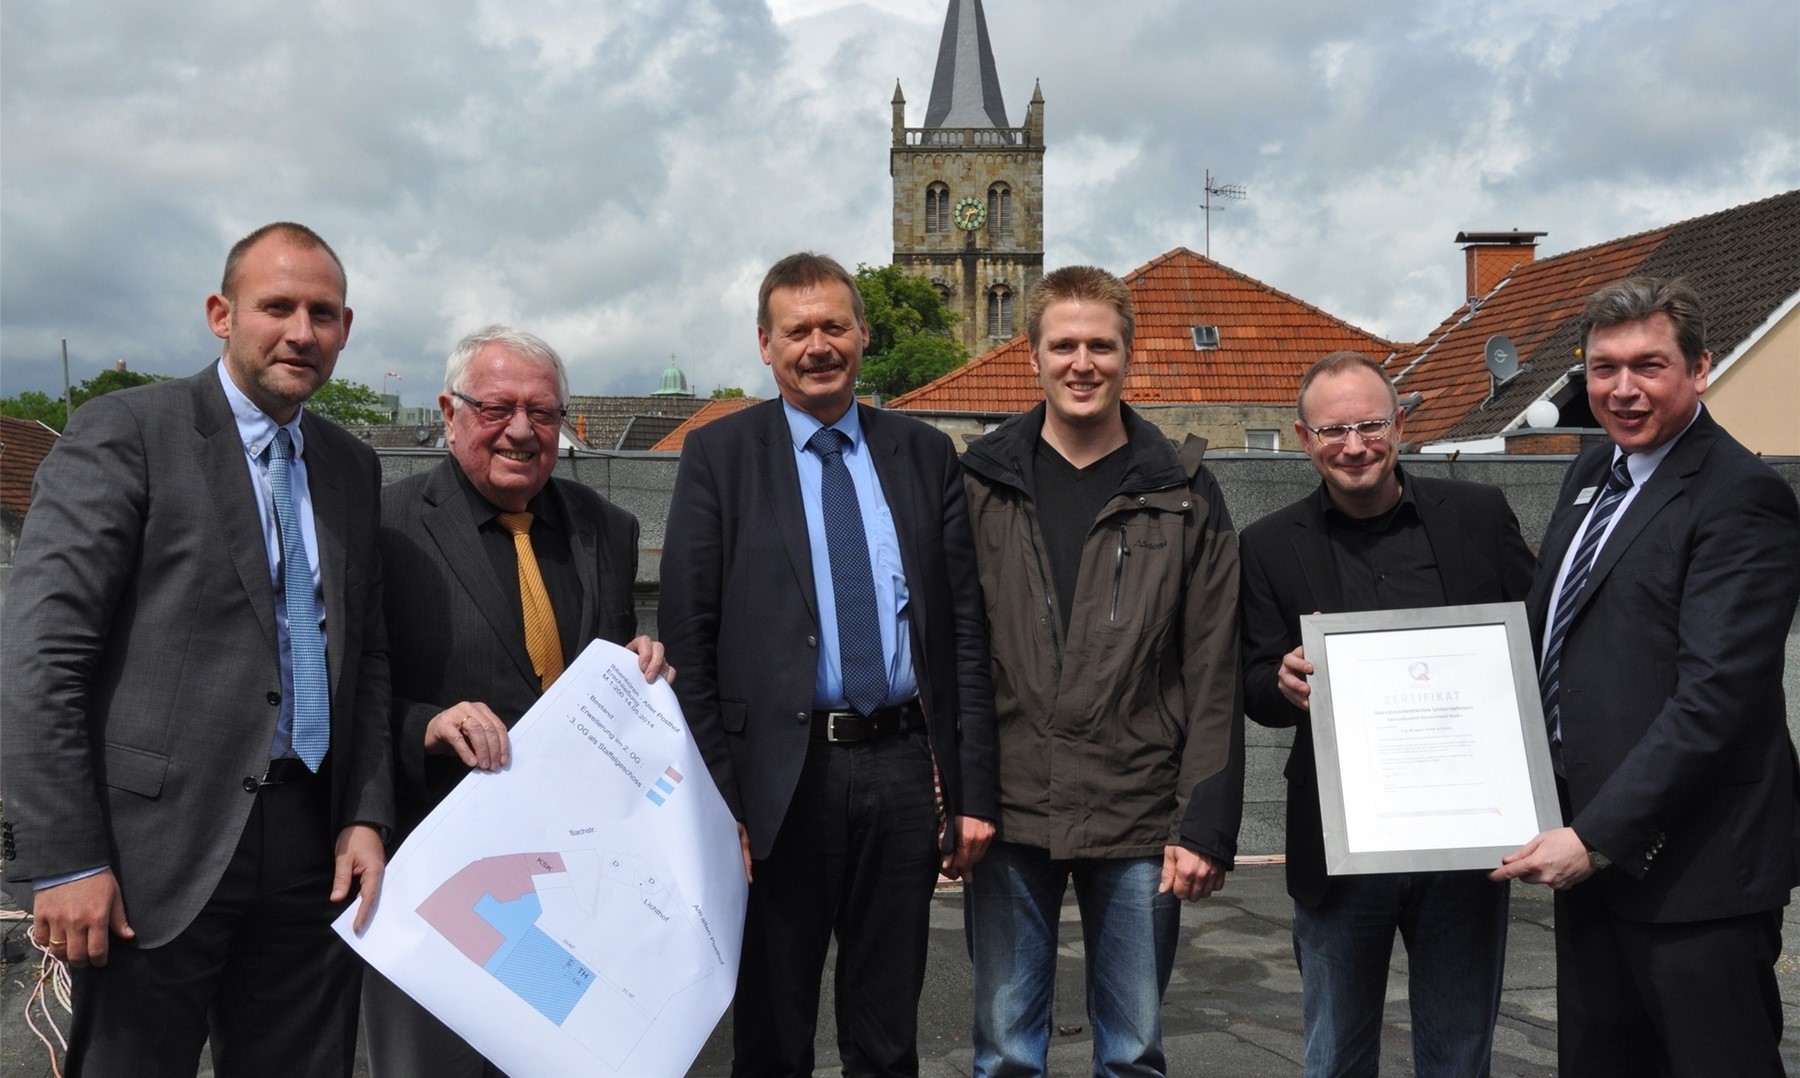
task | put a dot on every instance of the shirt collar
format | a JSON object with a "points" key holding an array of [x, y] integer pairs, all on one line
{"points": [[802, 426], [255, 427]]}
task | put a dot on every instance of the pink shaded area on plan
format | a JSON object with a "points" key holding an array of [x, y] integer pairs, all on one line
{"points": [[451, 908]]}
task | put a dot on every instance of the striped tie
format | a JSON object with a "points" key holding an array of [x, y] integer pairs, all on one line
{"points": [[1617, 483], [311, 732], [541, 637]]}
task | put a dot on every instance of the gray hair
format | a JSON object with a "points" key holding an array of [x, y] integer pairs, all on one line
{"points": [[517, 341], [1638, 298]]}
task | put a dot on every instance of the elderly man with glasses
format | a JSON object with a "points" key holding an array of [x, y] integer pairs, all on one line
{"points": [[498, 574], [1374, 538]]}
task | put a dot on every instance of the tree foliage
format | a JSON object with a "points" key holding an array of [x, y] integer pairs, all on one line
{"points": [[48, 410], [727, 393], [909, 332], [349, 404]]}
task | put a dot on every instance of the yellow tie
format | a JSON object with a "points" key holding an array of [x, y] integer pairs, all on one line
{"points": [[541, 638]]}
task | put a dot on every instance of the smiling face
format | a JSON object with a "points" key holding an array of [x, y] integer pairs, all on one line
{"points": [[508, 462], [283, 323], [1638, 383], [1081, 361], [814, 345], [1359, 475]]}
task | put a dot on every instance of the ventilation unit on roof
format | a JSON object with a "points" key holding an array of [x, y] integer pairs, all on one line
{"points": [[1205, 337]]}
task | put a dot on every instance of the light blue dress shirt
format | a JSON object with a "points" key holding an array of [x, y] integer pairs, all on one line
{"points": [[257, 431], [891, 596]]}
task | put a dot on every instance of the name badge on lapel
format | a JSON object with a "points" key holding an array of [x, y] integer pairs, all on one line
{"points": [[1586, 495]]}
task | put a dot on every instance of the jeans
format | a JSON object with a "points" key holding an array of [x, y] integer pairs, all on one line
{"points": [[1454, 927], [1013, 905]]}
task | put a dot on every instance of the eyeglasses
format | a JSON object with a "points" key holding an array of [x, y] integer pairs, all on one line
{"points": [[1369, 430], [495, 412]]}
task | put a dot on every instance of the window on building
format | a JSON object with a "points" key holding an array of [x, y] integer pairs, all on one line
{"points": [[937, 208], [1264, 440], [1000, 311], [1205, 337], [999, 215]]}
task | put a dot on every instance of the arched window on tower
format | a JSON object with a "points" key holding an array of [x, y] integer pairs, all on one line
{"points": [[1000, 312], [999, 215], [937, 209]]}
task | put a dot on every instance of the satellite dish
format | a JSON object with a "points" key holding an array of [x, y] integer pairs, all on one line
{"points": [[1502, 358]]}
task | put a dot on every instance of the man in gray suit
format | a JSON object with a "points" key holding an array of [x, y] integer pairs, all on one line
{"points": [[195, 685], [470, 549]]}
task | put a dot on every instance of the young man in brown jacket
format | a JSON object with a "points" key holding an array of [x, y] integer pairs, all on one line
{"points": [[1109, 572]]}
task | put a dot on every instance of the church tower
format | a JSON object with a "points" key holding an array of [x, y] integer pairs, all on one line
{"points": [[969, 188]]}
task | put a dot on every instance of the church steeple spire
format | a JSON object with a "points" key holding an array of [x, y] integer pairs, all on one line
{"points": [[965, 90]]}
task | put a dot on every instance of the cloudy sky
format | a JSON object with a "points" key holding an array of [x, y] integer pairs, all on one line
{"points": [[616, 174]]}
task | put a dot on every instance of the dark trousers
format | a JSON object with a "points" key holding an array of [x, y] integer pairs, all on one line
{"points": [[259, 970], [1635, 998], [856, 856]]}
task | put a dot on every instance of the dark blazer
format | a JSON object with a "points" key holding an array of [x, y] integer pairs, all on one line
{"points": [[141, 678], [1289, 571], [739, 616], [1675, 742], [454, 632]]}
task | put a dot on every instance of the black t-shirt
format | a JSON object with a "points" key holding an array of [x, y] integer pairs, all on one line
{"points": [[1385, 562], [1068, 500]]}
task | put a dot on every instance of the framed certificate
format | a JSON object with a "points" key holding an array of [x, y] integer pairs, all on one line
{"points": [[1428, 734]]}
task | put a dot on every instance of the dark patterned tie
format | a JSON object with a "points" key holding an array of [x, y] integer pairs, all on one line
{"points": [[852, 581], [1617, 483], [311, 734]]}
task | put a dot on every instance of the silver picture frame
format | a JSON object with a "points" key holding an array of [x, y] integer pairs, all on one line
{"points": [[1428, 738]]}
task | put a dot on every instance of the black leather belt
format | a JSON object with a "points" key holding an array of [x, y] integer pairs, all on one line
{"points": [[846, 726]]}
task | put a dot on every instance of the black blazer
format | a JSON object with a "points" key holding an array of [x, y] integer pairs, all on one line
{"points": [[1289, 571], [141, 681], [739, 616], [454, 633], [1675, 742]]}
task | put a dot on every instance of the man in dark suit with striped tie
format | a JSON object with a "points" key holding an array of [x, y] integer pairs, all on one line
{"points": [[1666, 584]]}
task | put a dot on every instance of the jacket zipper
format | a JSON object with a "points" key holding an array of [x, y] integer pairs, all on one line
{"points": [[1119, 571]]}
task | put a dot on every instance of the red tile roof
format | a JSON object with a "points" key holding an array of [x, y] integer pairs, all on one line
{"points": [[1744, 262], [1267, 340], [23, 445], [708, 412]]}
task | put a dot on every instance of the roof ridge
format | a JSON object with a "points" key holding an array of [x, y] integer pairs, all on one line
{"points": [[1168, 258]]}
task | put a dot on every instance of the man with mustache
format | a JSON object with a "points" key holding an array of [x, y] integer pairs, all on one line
{"points": [[195, 688], [819, 595]]}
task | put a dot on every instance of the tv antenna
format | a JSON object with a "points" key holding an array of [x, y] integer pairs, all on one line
{"points": [[1233, 191]]}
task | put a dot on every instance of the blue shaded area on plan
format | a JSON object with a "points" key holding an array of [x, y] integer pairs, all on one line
{"points": [[535, 967], [654, 796]]}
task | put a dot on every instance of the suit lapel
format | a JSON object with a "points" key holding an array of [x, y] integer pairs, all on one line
{"points": [[1557, 537], [584, 547], [900, 487], [331, 510], [1312, 553], [233, 499], [452, 527], [781, 479], [1448, 545], [1668, 482]]}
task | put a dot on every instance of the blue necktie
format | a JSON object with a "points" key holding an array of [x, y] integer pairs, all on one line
{"points": [[1618, 481], [852, 581], [311, 734]]}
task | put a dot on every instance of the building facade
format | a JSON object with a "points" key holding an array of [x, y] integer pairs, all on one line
{"points": [[969, 187]]}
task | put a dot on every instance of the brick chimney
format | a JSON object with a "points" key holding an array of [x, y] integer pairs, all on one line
{"points": [[1490, 256]]}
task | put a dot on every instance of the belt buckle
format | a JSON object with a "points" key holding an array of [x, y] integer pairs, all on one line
{"points": [[831, 718]]}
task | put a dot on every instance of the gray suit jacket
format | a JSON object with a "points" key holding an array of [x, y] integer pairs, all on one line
{"points": [[455, 633], [141, 679]]}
